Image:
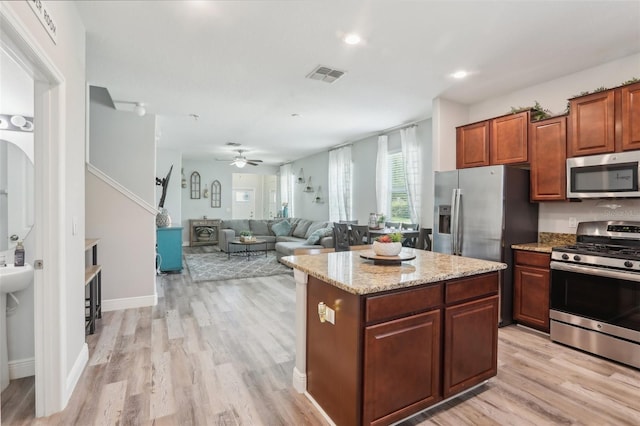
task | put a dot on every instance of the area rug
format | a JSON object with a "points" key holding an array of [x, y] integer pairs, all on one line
{"points": [[216, 266]]}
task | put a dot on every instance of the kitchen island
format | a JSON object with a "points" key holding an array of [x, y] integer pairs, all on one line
{"points": [[378, 343]]}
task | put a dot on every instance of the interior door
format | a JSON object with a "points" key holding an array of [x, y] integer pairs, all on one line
{"points": [[244, 203]]}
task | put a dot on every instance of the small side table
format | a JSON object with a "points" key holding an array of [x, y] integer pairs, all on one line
{"points": [[247, 245]]}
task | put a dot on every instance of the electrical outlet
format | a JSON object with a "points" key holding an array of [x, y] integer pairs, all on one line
{"points": [[573, 222]]}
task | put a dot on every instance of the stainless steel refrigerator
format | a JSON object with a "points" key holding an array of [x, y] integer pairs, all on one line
{"points": [[480, 212]]}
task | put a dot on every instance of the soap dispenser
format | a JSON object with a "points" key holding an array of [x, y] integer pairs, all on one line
{"points": [[18, 259]]}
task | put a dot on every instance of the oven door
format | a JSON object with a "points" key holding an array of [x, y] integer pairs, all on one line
{"points": [[604, 295]]}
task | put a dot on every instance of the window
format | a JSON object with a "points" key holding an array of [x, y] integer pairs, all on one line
{"points": [[399, 200]]}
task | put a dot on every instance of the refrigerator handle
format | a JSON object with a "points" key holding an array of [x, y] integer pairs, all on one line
{"points": [[454, 222]]}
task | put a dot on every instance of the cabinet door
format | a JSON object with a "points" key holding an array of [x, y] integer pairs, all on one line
{"points": [[401, 367], [592, 124], [509, 139], [531, 297], [470, 344], [547, 155], [630, 116], [472, 145]]}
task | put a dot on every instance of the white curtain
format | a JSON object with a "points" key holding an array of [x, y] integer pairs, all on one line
{"points": [[412, 156], [340, 184], [286, 187], [382, 177]]}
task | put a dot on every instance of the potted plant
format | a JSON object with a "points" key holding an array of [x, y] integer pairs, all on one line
{"points": [[246, 236], [388, 245], [381, 219]]}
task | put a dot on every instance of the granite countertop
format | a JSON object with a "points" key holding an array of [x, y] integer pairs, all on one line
{"points": [[348, 271], [539, 247]]}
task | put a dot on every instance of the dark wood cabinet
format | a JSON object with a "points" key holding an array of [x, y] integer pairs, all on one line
{"points": [[531, 289], [401, 379], [630, 116], [592, 124], [501, 140], [508, 136], [472, 145], [388, 355], [547, 156]]}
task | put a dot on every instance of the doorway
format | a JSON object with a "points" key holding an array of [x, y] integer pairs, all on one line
{"points": [[49, 289], [254, 196]]}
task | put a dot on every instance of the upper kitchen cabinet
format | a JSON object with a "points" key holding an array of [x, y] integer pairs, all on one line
{"points": [[592, 124], [472, 145], [547, 156], [508, 136], [501, 140], [607, 121], [630, 116]]}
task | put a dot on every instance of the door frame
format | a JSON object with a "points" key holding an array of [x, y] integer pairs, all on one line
{"points": [[50, 340]]}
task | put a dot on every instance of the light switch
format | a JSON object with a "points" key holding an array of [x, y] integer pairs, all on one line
{"points": [[74, 225], [573, 222]]}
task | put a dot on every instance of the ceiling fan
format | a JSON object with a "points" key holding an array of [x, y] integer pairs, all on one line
{"points": [[240, 160]]}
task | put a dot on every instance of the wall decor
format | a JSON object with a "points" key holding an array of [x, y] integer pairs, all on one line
{"points": [[300, 179], [318, 198], [195, 186], [309, 186], [183, 182], [216, 194], [205, 193]]}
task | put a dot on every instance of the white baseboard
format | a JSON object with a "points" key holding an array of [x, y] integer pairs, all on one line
{"points": [[20, 368], [75, 373], [129, 303]]}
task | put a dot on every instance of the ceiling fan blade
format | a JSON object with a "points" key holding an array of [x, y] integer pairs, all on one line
{"points": [[256, 161], [252, 163]]}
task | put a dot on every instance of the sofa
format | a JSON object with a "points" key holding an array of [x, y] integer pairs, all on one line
{"points": [[281, 235]]}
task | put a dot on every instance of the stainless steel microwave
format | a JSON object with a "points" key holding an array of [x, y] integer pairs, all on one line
{"points": [[604, 176]]}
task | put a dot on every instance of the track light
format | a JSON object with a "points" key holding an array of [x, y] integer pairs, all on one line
{"points": [[139, 109]]}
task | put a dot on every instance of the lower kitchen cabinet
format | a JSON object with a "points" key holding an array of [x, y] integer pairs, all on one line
{"points": [[468, 357], [389, 355], [384, 364], [531, 289]]}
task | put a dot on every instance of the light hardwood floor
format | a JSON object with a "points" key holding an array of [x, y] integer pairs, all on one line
{"points": [[222, 353]]}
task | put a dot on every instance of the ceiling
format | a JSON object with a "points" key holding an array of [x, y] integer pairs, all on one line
{"points": [[241, 65]]}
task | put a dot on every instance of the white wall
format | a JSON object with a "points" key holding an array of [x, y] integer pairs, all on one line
{"points": [[68, 56], [553, 95], [316, 167], [123, 147], [126, 229]]}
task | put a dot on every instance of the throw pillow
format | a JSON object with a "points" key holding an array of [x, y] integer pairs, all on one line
{"points": [[314, 227], [318, 234], [281, 228], [301, 228]]}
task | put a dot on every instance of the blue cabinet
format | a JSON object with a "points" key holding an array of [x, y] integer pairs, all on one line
{"points": [[169, 248]]}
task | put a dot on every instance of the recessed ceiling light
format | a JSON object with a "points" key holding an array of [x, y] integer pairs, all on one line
{"points": [[352, 38], [295, 114], [460, 74]]}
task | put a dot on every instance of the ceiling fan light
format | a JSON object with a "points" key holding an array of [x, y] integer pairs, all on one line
{"points": [[139, 109], [241, 162]]}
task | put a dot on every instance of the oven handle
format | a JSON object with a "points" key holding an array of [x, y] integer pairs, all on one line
{"points": [[600, 272]]}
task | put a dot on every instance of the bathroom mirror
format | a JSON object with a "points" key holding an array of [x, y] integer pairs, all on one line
{"points": [[16, 188]]}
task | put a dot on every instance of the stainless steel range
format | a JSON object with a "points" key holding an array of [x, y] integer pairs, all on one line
{"points": [[595, 291]]}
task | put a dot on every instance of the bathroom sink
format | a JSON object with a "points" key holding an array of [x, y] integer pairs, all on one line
{"points": [[15, 278]]}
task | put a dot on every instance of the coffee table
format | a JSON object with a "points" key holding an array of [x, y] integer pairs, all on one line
{"points": [[247, 245]]}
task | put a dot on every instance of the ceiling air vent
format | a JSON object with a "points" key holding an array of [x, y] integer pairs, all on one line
{"points": [[326, 74], [233, 144]]}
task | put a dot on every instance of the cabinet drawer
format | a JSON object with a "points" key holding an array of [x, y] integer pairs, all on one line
{"points": [[541, 260], [470, 288], [405, 302]]}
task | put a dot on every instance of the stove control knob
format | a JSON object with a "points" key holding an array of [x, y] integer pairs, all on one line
{"points": [[628, 264], [565, 256], [576, 258]]}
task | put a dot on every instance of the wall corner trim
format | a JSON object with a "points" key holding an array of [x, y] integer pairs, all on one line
{"points": [[121, 189]]}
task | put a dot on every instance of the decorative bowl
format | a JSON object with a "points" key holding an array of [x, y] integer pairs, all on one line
{"points": [[387, 249]]}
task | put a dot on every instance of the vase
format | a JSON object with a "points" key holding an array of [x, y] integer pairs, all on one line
{"points": [[163, 220], [387, 249]]}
